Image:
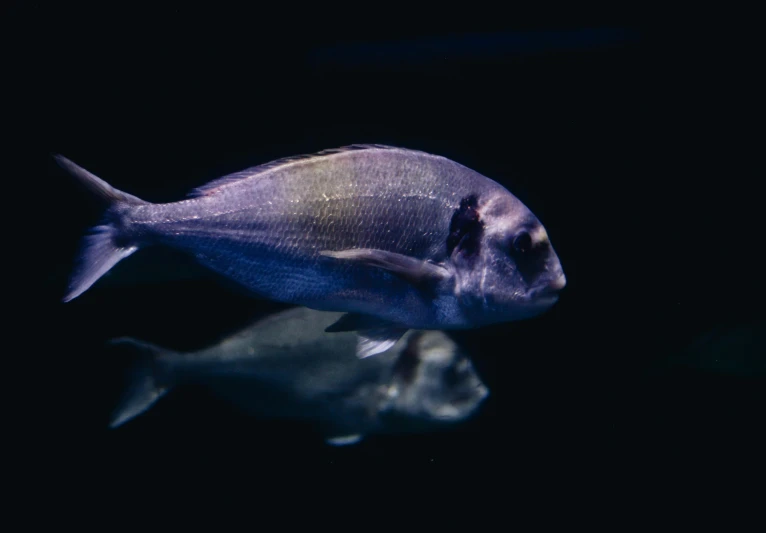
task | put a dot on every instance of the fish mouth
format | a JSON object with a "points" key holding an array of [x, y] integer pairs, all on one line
{"points": [[551, 291], [559, 282]]}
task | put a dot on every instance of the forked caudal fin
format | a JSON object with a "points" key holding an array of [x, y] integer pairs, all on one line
{"points": [[144, 387], [101, 249]]}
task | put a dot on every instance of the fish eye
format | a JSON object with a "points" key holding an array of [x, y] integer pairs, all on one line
{"points": [[523, 242], [451, 376]]}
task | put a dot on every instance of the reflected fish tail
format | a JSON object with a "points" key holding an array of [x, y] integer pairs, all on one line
{"points": [[145, 386]]}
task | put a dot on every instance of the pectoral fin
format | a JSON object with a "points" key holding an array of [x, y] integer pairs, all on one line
{"points": [[415, 271]]}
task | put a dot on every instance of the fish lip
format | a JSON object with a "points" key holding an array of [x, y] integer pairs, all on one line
{"points": [[552, 288], [546, 297], [547, 292], [482, 394], [473, 403], [546, 300], [559, 282]]}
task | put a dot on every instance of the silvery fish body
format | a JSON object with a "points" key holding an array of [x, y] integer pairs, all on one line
{"points": [[395, 238], [287, 366]]}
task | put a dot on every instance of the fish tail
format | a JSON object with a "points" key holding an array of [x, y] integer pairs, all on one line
{"points": [[145, 385], [104, 246]]}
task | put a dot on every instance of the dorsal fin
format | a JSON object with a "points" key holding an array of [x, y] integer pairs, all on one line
{"points": [[251, 172]]}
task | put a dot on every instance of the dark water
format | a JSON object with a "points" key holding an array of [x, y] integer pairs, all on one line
{"points": [[617, 134]]}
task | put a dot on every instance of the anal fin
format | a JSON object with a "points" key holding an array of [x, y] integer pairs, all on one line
{"points": [[344, 440]]}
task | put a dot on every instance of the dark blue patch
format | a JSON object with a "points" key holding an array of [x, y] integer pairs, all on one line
{"points": [[418, 52], [466, 228]]}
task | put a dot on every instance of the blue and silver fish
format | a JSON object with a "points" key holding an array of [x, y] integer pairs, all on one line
{"points": [[286, 366], [395, 238]]}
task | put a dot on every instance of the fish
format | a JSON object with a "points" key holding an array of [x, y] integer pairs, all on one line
{"points": [[286, 366], [395, 238]]}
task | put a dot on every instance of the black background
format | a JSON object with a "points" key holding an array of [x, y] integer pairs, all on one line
{"points": [[624, 136]]}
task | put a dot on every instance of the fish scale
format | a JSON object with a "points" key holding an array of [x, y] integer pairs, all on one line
{"points": [[342, 220], [362, 229]]}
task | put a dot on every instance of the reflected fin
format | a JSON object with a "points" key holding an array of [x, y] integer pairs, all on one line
{"points": [[374, 341], [375, 335], [344, 440]]}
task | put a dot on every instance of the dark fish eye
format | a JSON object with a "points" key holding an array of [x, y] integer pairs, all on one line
{"points": [[523, 242], [451, 376]]}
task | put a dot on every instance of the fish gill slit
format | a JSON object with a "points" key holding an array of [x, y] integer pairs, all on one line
{"points": [[466, 227]]}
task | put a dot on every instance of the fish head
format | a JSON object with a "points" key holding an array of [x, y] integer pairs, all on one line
{"points": [[433, 383], [506, 268]]}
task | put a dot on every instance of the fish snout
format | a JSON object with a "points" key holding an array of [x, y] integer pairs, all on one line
{"points": [[558, 283], [552, 286], [482, 392]]}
